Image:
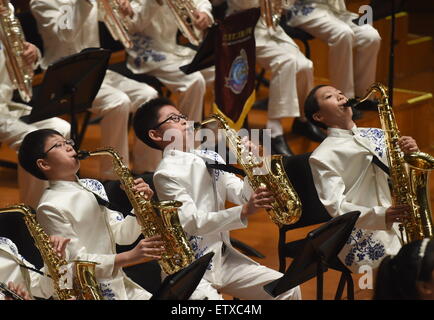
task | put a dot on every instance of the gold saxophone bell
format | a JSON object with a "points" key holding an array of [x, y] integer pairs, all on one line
{"points": [[55, 264], [155, 217], [286, 208]]}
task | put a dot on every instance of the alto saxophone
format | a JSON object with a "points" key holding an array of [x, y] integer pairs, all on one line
{"points": [[286, 208], [115, 21], [408, 173], [85, 286], [183, 12], [155, 217], [12, 38], [271, 11]]}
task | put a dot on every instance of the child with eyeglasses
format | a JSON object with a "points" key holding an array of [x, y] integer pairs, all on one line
{"points": [[70, 208]]}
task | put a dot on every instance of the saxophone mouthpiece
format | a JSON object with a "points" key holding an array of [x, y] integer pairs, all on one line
{"points": [[82, 154], [351, 103]]}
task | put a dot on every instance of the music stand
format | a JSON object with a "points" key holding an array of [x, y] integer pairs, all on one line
{"points": [[69, 87], [181, 285], [320, 247]]}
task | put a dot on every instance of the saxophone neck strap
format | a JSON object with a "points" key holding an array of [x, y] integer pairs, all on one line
{"points": [[381, 165], [34, 270], [225, 167]]}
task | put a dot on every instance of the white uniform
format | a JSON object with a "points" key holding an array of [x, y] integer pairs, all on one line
{"points": [[183, 176], [291, 72], [156, 52], [13, 131], [69, 26], [330, 21], [347, 180], [70, 209], [36, 284]]}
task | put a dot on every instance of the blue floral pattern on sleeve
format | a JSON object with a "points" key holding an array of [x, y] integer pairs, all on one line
{"points": [[376, 136], [195, 242], [12, 247], [363, 248], [301, 7], [142, 51]]}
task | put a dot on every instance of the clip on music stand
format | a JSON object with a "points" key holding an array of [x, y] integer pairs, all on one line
{"points": [[181, 285], [69, 86], [320, 247]]}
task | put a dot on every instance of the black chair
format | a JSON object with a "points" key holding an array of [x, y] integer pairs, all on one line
{"points": [[313, 212]]}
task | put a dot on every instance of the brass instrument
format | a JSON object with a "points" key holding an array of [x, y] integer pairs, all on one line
{"points": [[183, 12], [271, 10], [408, 173], [57, 265], [155, 217], [115, 21], [286, 209], [12, 38]]}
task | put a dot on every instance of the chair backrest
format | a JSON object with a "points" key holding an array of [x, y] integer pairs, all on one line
{"points": [[13, 227], [299, 173]]}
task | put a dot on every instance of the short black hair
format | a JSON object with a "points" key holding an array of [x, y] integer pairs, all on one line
{"points": [[146, 119], [32, 149], [398, 275], [311, 106]]}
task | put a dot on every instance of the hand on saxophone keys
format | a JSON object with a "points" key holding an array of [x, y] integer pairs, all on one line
{"points": [[146, 250], [407, 144], [397, 213], [30, 54], [141, 187], [59, 245], [202, 21], [125, 8], [260, 199]]}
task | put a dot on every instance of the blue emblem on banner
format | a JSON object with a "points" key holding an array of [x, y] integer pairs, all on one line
{"points": [[238, 74]]}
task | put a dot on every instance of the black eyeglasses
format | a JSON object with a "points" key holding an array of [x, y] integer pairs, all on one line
{"points": [[174, 117], [61, 144]]}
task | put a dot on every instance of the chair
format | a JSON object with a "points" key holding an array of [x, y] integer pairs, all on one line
{"points": [[313, 212]]}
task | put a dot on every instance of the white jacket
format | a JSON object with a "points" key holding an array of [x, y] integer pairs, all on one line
{"points": [[347, 180], [70, 209], [36, 284], [183, 176]]}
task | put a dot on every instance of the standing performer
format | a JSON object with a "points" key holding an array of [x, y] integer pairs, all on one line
{"points": [[330, 21], [348, 169], [66, 29]]}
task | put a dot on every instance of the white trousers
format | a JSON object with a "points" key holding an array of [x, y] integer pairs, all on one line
{"points": [[12, 132], [352, 75], [242, 278], [291, 76], [117, 98]]}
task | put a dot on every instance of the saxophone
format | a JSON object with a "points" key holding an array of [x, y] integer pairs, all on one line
{"points": [[155, 217], [286, 209], [271, 11], [115, 21], [408, 173], [183, 12], [84, 287], [12, 38]]}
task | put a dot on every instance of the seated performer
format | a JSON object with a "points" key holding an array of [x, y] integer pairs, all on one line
{"points": [[13, 130], [183, 175], [348, 177], [331, 22], [70, 208], [409, 274], [69, 27], [291, 78], [26, 282]]}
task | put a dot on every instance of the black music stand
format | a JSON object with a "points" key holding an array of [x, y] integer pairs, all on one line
{"points": [[69, 87], [181, 285], [320, 247]]}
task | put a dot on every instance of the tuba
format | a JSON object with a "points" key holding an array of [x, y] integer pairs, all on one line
{"points": [[12, 38], [408, 173], [85, 286], [183, 12], [115, 21], [155, 217], [286, 209]]}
